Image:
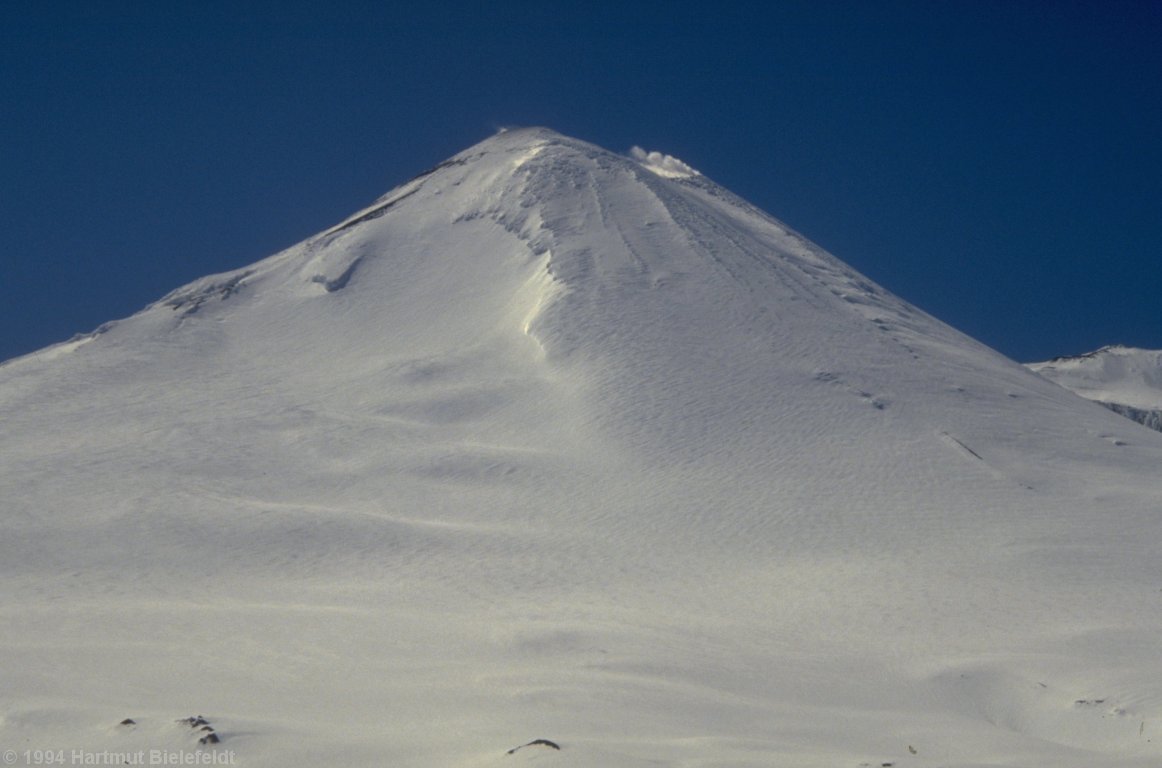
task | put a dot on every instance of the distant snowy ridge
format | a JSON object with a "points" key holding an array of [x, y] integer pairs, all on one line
{"points": [[1124, 379]]}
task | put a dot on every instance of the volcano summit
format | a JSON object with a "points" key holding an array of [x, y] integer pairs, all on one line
{"points": [[550, 445]]}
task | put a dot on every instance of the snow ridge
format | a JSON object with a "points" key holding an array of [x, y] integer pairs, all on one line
{"points": [[1126, 380]]}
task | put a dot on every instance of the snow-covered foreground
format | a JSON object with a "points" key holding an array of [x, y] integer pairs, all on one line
{"points": [[550, 443]]}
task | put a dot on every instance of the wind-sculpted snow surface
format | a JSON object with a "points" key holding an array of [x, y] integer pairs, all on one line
{"points": [[546, 449]]}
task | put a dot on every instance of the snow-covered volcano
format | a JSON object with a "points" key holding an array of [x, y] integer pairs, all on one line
{"points": [[552, 443]]}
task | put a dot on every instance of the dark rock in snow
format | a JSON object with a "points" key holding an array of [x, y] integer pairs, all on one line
{"points": [[535, 743]]}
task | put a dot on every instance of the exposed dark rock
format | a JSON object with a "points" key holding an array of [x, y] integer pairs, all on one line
{"points": [[191, 300], [1144, 416], [195, 721], [536, 743]]}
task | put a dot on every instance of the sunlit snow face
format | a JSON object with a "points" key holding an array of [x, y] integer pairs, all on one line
{"points": [[663, 165]]}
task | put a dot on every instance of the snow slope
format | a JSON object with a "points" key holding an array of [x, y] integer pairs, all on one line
{"points": [[548, 444], [1124, 379]]}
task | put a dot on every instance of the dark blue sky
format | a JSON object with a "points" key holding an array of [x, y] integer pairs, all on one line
{"points": [[996, 163]]}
